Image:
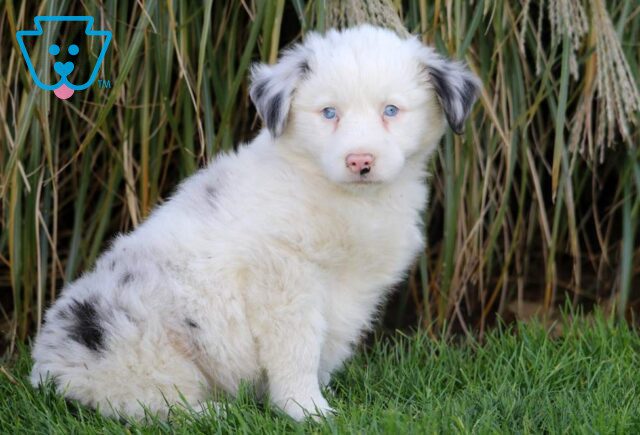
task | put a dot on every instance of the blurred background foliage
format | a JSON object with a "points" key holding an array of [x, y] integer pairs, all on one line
{"points": [[536, 206]]}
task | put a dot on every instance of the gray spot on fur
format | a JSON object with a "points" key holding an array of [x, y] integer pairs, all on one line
{"points": [[125, 279], [191, 323], [212, 194]]}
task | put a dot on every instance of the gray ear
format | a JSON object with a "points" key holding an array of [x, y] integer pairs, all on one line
{"points": [[457, 87], [272, 87]]}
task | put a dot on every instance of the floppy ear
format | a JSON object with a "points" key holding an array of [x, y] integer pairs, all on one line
{"points": [[456, 86], [272, 87]]}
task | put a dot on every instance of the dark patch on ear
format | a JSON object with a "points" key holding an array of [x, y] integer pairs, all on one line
{"points": [[125, 279], [86, 328], [259, 90], [440, 85], [457, 91], [446, 95], [191, 323], [272, 114], [273, 86], [469, 94]]}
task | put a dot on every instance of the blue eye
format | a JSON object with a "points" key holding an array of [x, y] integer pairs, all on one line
{"points": [[391, 110], [329, 112]]}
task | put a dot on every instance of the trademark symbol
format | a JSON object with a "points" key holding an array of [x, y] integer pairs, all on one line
{"points": [[104, 84]]}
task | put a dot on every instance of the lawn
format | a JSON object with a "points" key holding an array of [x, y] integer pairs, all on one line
{"points": [[586, 380]]}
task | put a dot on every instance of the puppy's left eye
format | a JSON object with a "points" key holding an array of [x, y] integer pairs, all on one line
{"points": [[329, 112], [391, 110]]}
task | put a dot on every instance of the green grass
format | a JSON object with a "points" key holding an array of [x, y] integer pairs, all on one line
{"points": [[518, 381]]}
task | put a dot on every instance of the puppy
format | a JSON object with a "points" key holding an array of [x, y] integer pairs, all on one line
{"points": [[268, 265]]}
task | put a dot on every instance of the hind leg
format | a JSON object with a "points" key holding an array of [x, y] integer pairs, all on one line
{"points": [[106, 359]]}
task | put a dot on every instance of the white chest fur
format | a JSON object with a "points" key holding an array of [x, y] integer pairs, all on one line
{"points": [[363, 246]]}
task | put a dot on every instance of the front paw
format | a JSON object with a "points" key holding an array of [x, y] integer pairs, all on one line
{"points": [[315, 408]]}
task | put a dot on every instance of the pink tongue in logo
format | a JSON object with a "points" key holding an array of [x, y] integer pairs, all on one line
{"points": [[63, 92]]}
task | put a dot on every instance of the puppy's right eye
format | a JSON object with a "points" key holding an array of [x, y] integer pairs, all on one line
{"points": [[329, 112]]}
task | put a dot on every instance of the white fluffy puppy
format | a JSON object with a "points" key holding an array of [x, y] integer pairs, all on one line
{"points": [[268, 265]]}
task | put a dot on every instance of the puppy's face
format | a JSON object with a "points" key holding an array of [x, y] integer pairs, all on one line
{"points": [[362, 102]]}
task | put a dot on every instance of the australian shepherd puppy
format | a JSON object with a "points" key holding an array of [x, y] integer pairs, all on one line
{"points": [[268, 265]]}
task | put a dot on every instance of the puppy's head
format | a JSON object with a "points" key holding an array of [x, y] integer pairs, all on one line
{"points": [[361, 102]]}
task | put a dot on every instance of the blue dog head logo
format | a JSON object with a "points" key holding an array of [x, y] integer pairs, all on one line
{"points": [[62, 87]]}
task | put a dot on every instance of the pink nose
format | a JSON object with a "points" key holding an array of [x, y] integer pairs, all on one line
{"points": [[360, 163]]}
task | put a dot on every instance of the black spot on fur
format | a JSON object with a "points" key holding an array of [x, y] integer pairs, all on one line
{"points": [[272, 114], [86, 328], [191, 323], [125, 279]]}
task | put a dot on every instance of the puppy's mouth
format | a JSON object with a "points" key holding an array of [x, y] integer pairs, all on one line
{"points": [[364, 179]]}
